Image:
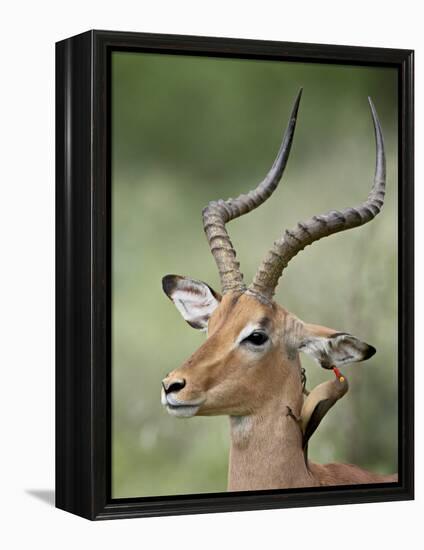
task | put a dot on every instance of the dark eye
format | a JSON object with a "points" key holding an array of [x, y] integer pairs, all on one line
{"points": [[256, 338]]}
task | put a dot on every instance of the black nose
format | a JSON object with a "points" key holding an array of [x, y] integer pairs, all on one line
{"points": [[173, 385]]}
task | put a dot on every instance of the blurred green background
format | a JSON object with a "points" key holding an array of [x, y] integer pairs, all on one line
{"points": [[186, 130]]}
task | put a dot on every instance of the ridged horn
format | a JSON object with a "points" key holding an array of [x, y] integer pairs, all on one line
{"points": [[317, 227], [218, 213]]}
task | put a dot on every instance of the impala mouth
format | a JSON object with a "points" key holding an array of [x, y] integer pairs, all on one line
{"points": [[181, 409]]}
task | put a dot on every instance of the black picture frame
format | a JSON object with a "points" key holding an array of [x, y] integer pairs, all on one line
{"points": [[83, 236]]}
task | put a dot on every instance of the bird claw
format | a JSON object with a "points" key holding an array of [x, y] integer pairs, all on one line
{"points": [[291, 413]]}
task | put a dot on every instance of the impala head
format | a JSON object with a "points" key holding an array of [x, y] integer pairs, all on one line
{"points": [[253, 344]]}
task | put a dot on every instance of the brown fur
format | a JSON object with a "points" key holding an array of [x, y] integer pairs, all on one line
{"points": [[347, 474], [256, 389]]}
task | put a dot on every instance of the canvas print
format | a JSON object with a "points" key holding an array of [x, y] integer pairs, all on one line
{"points": [[254, 275]]}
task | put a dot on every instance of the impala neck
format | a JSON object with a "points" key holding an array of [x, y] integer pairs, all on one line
{"points": [[266, 447]]}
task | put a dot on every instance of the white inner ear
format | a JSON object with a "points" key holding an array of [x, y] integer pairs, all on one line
{"points": [[335, 351], [195, 301]]}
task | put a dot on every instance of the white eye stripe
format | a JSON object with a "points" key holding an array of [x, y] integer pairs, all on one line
{"points": [[247, 331]]}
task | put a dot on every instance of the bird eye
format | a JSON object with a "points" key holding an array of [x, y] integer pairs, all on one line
{"points": [[256, 338]]}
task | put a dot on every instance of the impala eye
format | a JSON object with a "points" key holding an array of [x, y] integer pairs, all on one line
{"points": [[256, 338]]}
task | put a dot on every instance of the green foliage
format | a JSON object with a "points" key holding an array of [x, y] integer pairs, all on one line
{"points": [[187, 130]]}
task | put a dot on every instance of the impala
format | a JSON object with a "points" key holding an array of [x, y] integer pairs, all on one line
{"points": [[249, 368]]}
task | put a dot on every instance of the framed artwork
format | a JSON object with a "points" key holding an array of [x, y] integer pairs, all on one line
{"points": [[212, 355]]}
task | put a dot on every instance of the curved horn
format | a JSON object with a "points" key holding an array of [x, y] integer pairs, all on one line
{"points": [[317, 227], [220, 212]]}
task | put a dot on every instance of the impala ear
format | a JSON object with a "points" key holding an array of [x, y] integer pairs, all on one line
{"points": [[333, 349], [195, 300]]}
